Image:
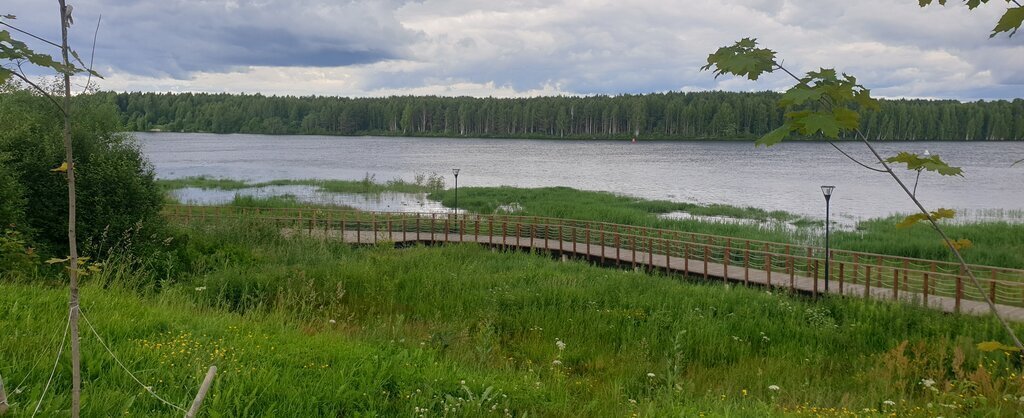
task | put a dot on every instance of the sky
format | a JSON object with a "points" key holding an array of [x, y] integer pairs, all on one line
{"points": [[522, 48]]}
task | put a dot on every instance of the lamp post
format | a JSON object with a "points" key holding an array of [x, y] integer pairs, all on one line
{"points": [[455, 171], [827, 191]]}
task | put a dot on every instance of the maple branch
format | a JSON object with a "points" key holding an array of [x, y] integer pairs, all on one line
{"points": [[916, 181], [854, 159], [20, 74], [29, 34], [945, 238]]}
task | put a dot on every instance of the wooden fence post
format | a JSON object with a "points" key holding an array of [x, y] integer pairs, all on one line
{"points": [[202, 392], [842, 273]]}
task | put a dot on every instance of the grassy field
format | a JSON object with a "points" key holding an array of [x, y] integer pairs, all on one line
{"points": [[302, 327]]}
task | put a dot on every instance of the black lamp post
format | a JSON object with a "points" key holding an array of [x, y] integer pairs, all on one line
{"points": [[827, 191], [455, 171]]}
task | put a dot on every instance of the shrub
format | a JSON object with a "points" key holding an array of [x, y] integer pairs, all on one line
{"points": [[118, 200]]}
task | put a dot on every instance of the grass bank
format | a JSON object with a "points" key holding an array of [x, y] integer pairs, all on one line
{"points": [[309, 328]]}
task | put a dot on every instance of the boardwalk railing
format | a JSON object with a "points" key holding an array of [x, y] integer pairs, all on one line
{"points": [[710, 256]]}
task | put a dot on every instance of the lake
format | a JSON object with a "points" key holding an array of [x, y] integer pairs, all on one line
{"points": [[784, 177]]}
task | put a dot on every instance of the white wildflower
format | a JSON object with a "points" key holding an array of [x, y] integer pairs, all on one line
{"points": [[556, 363], [928, 383], [774, 388], [200, 288], [560, 344], [650, 375], [888, 403], [331, 321]]}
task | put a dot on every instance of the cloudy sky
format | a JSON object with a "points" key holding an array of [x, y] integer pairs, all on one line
{"points": [[528, 47]]}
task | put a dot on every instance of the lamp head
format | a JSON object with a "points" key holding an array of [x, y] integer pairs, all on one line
{"points": [[455, 171], [827, 191]]}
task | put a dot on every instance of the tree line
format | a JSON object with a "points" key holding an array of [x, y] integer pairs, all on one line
{"points": [[694, 115]]}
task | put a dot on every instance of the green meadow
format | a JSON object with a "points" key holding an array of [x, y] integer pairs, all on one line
{"points": [[306, 327]]}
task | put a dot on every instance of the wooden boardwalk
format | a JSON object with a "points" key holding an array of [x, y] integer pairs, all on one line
{"points": [[937, 284], [709, 270]]}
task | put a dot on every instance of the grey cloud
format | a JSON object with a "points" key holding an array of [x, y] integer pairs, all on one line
{"points": [[177, 38]]}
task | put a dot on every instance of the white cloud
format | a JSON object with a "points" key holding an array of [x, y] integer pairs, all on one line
{"points": [[530, 47]]}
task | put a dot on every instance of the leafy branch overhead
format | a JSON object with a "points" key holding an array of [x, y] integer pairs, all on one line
{"points": [[928, 163], [822, 102], [15, 51], [1009, 22]]}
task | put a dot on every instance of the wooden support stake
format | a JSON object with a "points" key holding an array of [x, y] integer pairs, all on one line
{"points": [[3, 398], [202, 392]]}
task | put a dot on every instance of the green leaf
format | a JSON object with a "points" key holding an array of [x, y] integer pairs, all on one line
{"points": [[57, 260], [774, 137], [990, 346], [813, 122], [943, 213], [847, 118], [743, 59], [1010, 21], [9, 17], [798, 95], [932, 163], [939, 214], [962, 244], [911, 220]]}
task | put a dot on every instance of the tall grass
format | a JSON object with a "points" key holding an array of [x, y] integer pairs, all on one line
{"points": [[310, 328]]}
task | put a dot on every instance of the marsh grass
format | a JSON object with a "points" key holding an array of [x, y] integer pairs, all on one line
{"points": [[368, 185], [304, 327]]}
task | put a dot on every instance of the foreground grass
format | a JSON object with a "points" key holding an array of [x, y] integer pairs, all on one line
{"points": [[307, 328]]}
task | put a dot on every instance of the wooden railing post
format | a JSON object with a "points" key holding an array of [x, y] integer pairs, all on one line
{"points": [[632, 245], [792, 270], [992, 289], [768, 266], [867, 281], [618, 248], [359, 230], [841, 274], [686, 257], [959, 292], [706, 261], [668, 255], [746, 264], [895, 284], [925, 290], [815, 291]]}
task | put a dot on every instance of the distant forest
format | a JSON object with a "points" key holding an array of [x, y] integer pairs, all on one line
{"points": [[702, 115]]}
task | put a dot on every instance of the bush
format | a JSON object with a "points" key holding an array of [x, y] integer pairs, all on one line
{"points": [[117, 199]]}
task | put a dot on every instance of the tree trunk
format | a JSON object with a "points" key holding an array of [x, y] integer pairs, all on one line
{"points": [[76, 376]]}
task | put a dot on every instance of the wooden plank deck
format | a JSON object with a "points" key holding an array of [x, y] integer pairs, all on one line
{"points": [[673, 265]]}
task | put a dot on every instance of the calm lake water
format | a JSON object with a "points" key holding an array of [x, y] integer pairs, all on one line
{"points": [[785, 177]]}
